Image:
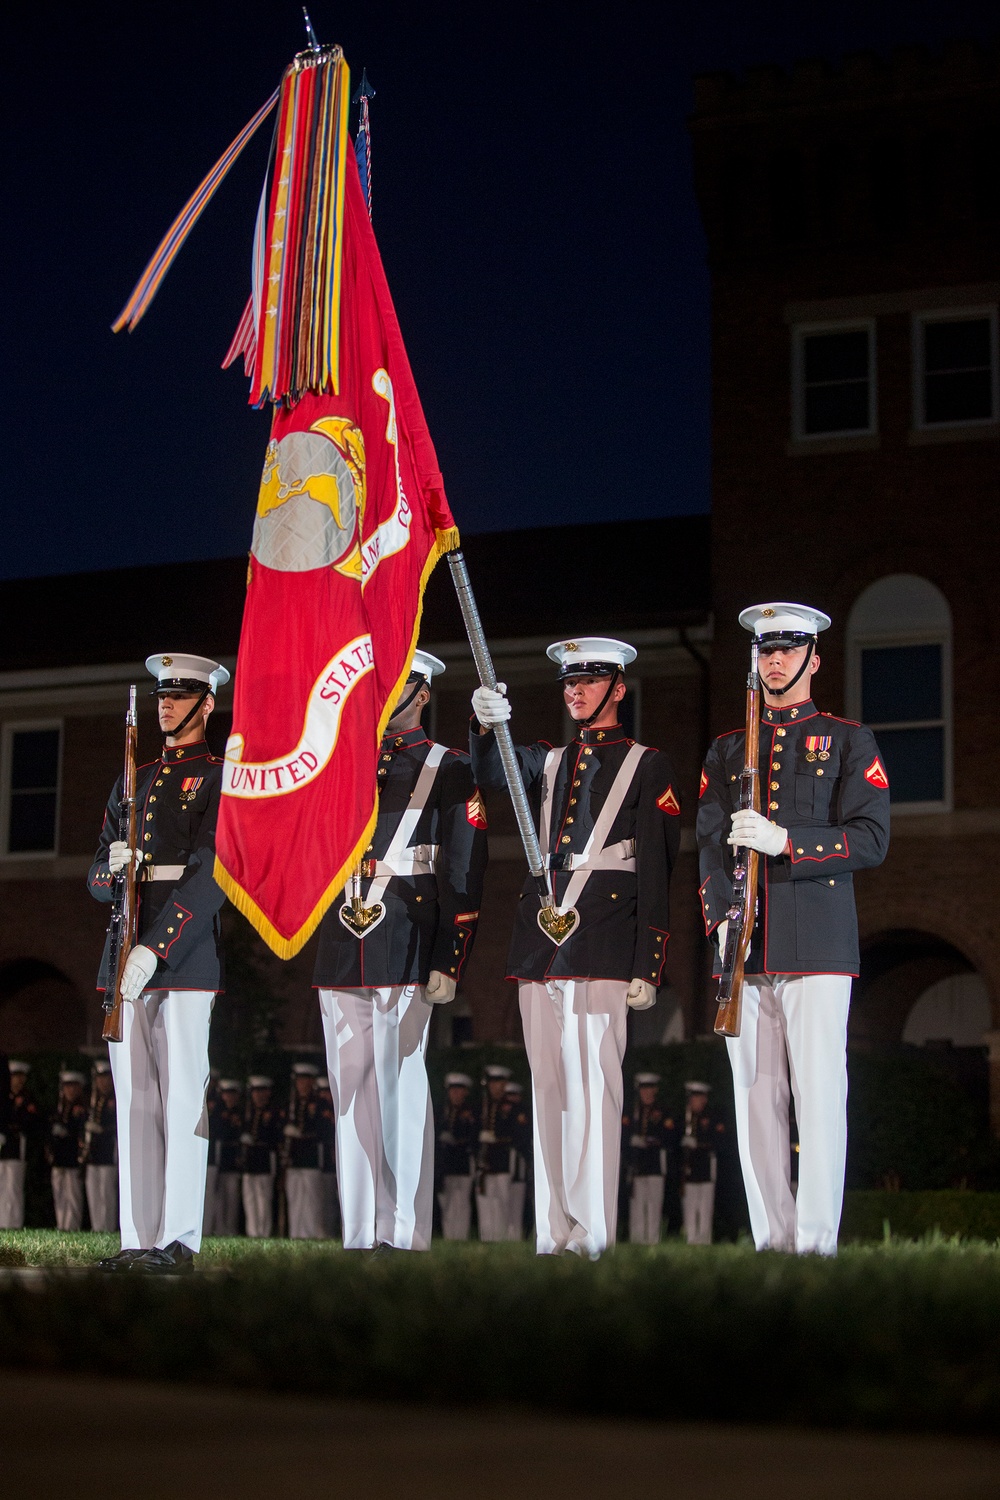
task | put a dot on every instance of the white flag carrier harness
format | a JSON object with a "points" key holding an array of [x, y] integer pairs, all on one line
{"points": [[597, 854], [399, 858]]}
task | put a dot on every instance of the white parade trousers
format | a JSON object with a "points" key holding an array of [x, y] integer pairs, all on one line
{"points": [[455, 1202], [698, 1202], [67, 1196], [304, 1191], [12, 1194], [793, 1024], [515, 1219], [227, 1203], [375, 1045], [258, 1204], [645, 1209], [493, 1206], [160, 1069], [102, 1198], [211, 1189], [574, 1031]]}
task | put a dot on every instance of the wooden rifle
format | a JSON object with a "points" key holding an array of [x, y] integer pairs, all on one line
{"points": [[125, 905], [742, 912]]}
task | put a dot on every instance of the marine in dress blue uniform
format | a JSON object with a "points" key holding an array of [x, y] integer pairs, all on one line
{"points": [[100, 1151], [608, 817], [20, 1126], [172, 975], [826, 795], [63, 1149], [457, 1133], [645, 1141], [700, 1141], [419, 890]]}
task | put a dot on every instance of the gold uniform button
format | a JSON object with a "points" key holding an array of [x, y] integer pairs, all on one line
{"points": [[572, 802], [157, 783], [179, 915], [166, 770], [563, 840], [774, 786], [838, 846], [149, 817], [614, 895], [170, 929], [146, 838], [833, 882], [569, 820], [578, 783], [819, 770], [781, 732], [159, 945], [418, 898], [800, 851], [772, 806], [587, 750], [152, 799], [819, 848]]}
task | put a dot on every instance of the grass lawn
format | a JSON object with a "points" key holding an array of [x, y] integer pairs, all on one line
{"points": [[891, 1335]]}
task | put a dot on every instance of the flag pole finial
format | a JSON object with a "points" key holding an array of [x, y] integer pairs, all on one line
{"points": [[314, 45]]}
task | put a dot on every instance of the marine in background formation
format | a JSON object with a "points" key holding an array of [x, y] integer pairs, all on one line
{"points": [[700, 1143], [226, 1128], [21, 1122], [100, 1150], [173, 973], [494, 1158], [64, 1147], [260, 1141], [826, 796], [394, 946], [609, 828], [457, 1138], [646, 1142], [520, 1158], [303, 1155]]}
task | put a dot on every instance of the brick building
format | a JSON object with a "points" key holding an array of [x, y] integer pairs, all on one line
{"points": [[70, 646], [853, 221]]}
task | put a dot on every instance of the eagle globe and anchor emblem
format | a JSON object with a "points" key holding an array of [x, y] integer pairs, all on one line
{"points": [[310, 514]]}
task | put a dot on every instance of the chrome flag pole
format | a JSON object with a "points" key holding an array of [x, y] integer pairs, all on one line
{"points": [[487, 676]]}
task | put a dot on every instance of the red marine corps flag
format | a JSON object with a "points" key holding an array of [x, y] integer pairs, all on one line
{"points": [[351, 518]]}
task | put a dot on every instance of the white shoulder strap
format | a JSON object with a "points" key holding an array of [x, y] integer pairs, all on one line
{"points": [[407, 825], [603, 824]]}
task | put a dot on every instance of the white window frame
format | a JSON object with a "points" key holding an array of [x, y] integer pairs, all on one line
{"points": [[22, 726], [953, 315], [882, 640], [802, 331]]}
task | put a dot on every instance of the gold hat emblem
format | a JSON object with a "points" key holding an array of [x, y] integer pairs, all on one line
{"points": [[167, 661], [570, 646], [767, 613]]}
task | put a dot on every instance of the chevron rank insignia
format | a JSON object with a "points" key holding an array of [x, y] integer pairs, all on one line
{"points": [[703, 784], [668, 803], [876, 775], [475, 810]]}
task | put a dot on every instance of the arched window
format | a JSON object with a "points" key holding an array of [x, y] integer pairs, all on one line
{"points": [[899, 683]]}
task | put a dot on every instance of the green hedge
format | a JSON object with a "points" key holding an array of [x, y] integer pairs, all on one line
{"points": [[885, 1337], [973, 1216]]}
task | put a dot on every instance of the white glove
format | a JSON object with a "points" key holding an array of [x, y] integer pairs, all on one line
{"points": [[720, 934], [246, 1139], [293, 1132], [755, 832], [491, 707], [641, 995], [140, 966], [487, 1138], [119, 855], [439, 989]]}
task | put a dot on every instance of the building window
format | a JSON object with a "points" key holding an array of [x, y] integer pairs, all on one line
{"points": [[31, 774], [833, 380], [955, 368], [899, 684]]}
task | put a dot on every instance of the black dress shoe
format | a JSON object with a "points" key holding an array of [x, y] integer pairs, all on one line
{"points": [[123, 1261], [174, 1260], [382, 1249]]}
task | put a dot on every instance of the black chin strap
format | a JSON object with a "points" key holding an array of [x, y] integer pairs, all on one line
{"points": [[780, 692], [402, 707], [615, 676], [180, 728]]}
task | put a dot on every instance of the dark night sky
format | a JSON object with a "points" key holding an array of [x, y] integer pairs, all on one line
{"points": [[534, 208]]}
